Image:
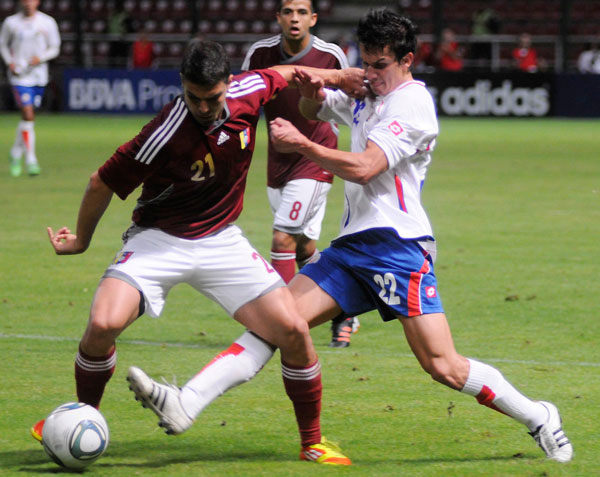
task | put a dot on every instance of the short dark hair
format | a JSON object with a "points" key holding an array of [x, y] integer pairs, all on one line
{"points": [[281, 2], [383, 27], [205, 63]]}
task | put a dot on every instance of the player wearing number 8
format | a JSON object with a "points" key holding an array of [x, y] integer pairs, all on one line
{"points": [[297, 187]]}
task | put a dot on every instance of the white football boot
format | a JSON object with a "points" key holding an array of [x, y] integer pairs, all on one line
{"points": [[163, 399], [551, 437]]}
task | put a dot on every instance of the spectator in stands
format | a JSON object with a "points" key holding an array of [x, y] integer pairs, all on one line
{"points": [[589, 59], [525, 57], [449, 55], [485, 22], [119, 25], [142, 52], [424, 61]]}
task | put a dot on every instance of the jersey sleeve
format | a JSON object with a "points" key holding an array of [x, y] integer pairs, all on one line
{"points": [[53, 41], [403, 132], [4, 42], [257, 85], [123, 173], [336, 107]]}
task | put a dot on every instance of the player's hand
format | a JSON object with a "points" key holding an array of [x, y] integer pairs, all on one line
{"points": [[284, 136], [353, 83], [34, 61], [64, 242], [309, 85]]}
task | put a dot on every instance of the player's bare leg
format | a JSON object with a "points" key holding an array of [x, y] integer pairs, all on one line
{"points": [[115, 306], [431, 341]]}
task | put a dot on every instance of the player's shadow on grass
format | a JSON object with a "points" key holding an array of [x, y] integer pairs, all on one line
{"points": [[140, 455]]}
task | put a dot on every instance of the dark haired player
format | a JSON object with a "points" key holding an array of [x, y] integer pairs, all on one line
{"points": [[297, 187], [383, 257], [192, 160]]}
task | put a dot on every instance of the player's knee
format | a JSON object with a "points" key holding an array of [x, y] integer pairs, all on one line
{"points": [[282, 241], [294, 334], [443, 371]]}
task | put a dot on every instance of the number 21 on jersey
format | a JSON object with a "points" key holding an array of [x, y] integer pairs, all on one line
{"points": [[198, 168]]}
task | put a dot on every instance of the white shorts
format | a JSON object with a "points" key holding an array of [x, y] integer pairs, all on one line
{"points": [[299, 207], [222, 266]]}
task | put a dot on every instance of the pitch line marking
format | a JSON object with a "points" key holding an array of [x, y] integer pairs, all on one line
{"points": [[193, 346]]}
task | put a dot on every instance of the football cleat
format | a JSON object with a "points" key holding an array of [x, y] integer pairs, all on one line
{"points": [[342, 330], [15, 166], [551, 437], [162, 399], [36, 430], [325, 452], [34, 169]]}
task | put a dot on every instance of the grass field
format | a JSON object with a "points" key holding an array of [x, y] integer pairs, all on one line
{"points": [[515, 206]]}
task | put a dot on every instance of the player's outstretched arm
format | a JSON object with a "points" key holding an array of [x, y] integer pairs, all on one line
{"points": [[349, 80], [358, 167], [95, 200]]}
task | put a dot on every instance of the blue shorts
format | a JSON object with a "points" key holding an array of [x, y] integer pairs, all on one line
{"points": [[28, 95], [376, 269]]}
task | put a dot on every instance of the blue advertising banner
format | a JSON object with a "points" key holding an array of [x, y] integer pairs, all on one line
{"points": [[119, 91]]}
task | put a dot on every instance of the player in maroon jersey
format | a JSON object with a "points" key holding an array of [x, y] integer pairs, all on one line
{"points": [[192, 161], [297, 187]]}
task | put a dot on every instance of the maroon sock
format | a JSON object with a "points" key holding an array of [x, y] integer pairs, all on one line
{"points": [[91, 375], [285, 264], [304, 388]]}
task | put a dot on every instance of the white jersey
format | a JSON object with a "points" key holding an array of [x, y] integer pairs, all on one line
{"points": [[22, 38], [403, 124]]}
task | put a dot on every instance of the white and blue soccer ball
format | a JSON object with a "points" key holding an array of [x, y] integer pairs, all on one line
{"points": [[75, 435]]}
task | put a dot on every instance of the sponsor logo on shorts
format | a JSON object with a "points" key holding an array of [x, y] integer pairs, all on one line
{"points": [[431, 292], [395, 128], [122, 257]]}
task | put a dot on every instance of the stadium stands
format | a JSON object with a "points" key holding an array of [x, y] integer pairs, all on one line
{"points": [[237, 23]]}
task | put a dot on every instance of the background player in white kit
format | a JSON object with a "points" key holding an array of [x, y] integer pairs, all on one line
{"points": [[383, 257], [297, 187], [28, 40]]}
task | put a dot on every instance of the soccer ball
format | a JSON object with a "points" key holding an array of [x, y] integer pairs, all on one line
{"points": [[75, 435]]}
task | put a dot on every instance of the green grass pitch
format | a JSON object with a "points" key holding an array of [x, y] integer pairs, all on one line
{"points": [[515, 206]]}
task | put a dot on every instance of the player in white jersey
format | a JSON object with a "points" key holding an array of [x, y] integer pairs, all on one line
{"points": [[383, 257], [28, 40]]}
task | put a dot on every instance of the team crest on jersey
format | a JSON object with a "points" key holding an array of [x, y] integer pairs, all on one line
{"points": [[245, 138], [223, 137], [395, 128], [431, 292], [122, 257]]}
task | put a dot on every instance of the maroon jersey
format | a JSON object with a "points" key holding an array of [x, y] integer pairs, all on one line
{"points": [[283, 167], [193, 179]]}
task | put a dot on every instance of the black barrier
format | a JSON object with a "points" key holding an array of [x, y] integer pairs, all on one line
{"points": [[577, 96]]}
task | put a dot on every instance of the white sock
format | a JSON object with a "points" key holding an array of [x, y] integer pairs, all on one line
{"points": [[16, 151], [236, 365], [28, 135], [491, 389]]}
